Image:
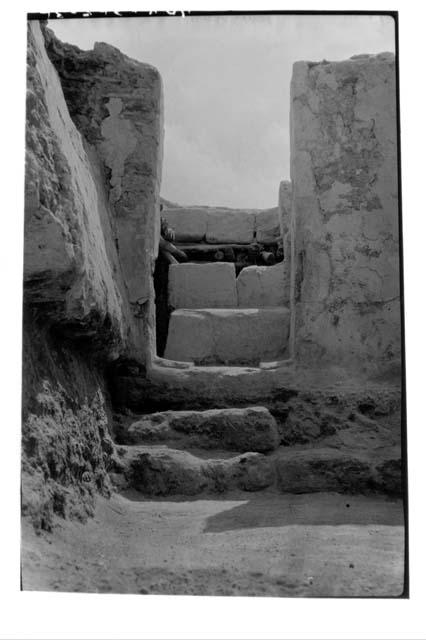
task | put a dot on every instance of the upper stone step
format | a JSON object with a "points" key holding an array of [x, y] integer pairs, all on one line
{"points": [[228, 336], [198, 286], [235, 429], [213, 285]]}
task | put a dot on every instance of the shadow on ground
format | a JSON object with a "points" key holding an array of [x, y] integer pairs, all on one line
{"points": [[315, 509]]}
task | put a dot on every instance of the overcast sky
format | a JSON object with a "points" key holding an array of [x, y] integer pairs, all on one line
{"points": [[227, 88]]}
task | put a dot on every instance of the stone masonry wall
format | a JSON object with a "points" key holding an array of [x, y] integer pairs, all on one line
{"points": [[345, 264]]}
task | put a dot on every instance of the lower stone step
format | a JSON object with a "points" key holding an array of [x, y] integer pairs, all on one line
{"points": [[163, 471], [160, 470], [245, 429], [228, 336]]}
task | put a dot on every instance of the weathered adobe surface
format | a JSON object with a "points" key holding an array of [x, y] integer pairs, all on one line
{"points": [[345, 286], [79, 303], [67, 450]]}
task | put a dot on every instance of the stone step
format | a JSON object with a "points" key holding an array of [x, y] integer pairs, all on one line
{"points": [[209, 285], [181, 385], [242, 430], [160, 470], [228, 336], [198, 285]]}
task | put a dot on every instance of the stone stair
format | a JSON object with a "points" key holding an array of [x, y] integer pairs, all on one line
{"points": [[219, 319], [189, 453], [227, 347]]}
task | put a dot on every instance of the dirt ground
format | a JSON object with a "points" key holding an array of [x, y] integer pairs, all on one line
{"points": [[263, 544]]}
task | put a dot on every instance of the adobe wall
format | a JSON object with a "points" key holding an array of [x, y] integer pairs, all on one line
{"points": [[345, 264], [116, 103], [91, 237], [70, 260]]}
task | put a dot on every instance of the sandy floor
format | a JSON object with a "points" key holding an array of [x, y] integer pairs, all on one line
{"points": [[260, 544]]}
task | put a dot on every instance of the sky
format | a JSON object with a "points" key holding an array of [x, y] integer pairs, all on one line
{"points": [[227, 91]]}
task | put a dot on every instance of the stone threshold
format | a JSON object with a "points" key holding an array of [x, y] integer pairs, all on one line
{"points": [[231, 383], [165, 363]]}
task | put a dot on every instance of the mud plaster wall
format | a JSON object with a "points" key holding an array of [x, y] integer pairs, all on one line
{"points": [[117, 104], [344, 222], [69, 266]]}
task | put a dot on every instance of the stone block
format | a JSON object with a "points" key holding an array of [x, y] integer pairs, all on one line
{"points": [[261, 286], [267, 226], [230, 225], [197, 286], [228, 336], [189, 223]]}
